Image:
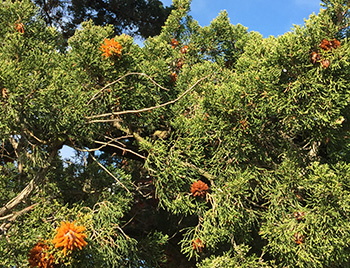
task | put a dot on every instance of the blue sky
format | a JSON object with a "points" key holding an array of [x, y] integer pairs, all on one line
{"points": [[268, 17]]}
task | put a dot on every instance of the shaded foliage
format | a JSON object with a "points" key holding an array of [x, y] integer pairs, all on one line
{"points": [[137, 17]]}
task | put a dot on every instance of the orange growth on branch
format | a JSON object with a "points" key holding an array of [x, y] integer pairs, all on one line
{"points": [[299, 238], [38, 256], [199, 188], [184, 49], [197, 245], [173, 77], [299, 215], [70, 237], [19, 27], [327, 45], [174, 43], [111, 47], [325, 63], [315, 57]]}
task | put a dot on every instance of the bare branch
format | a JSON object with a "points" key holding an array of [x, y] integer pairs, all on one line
{"points": [[144, 109], [109, 173], [110, 143], [94, 97], [14, 215], [119, 138], [254, 203], [121, 230], [32, 184], [35, 137], [202, 172], [104, 144], [120, 148]]}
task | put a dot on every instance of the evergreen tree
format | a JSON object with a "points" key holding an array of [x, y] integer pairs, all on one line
{"points": [[207, 147], [137, 17]]}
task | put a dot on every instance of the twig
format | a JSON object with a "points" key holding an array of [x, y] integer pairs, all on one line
{"points": [[104, 144], [254, 203], [109, 143], [120, 148], [35, 137], [131, 219], [109, 173], [14, 215], [119, 79], [116, 139], [144, 109], [201, 172], [121, 230]]}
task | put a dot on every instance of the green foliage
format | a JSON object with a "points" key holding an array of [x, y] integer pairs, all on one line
{"points": [[137, 17], [321, 194], [240, 258], [263, 122]]}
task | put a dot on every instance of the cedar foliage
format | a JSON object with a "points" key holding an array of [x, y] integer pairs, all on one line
{"points": [[262, 123]]}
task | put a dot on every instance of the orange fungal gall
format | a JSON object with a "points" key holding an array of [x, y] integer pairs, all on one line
{"points": [[111, 47], [199, 188], [70, 237]]}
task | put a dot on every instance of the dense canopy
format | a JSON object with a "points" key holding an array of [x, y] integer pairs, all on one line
{"points": [[142, 18], [206, 147]]}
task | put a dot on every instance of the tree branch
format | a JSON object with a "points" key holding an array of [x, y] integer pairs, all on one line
{"points": [[141, 110], [201, 171], [120, 148], [110, 144], [94, 97], [12, 217], [109, 173], [32, 184], [35, 137]]}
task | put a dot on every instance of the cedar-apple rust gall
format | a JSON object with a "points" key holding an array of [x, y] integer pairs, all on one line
{"points": [[110, 47], [38, 256], [19, 27], [70, 237], [199, 188]]}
